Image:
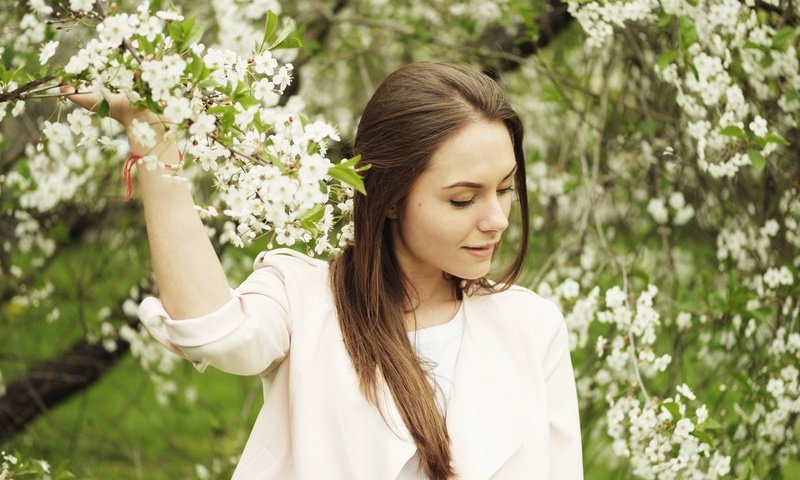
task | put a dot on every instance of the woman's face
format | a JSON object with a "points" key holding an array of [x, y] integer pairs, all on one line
{"points": [[456, 211]]}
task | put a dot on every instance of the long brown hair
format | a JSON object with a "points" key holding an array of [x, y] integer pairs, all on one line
{"points": [[412, 112]]}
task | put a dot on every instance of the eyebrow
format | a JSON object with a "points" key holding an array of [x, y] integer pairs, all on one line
{"points": [[478, 185]]}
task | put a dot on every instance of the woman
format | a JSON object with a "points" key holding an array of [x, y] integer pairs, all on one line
{"points": [[399, 359]]}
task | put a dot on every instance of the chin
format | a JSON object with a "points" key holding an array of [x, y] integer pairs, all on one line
{"points": [[472, 274]]}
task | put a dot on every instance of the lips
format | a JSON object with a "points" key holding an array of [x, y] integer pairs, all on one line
{"points": [[482, 251], [482, 247]]}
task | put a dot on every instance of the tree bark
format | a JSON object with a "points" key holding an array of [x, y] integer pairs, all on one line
{"points": [[46, 385]]}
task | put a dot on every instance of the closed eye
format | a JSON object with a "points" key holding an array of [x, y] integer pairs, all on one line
{"points": [[466, 203], [463, 204]]}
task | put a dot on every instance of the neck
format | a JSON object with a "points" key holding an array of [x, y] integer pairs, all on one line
{"points": [[424, 291]]}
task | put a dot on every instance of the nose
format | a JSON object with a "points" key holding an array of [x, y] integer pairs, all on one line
{"points": [[494, 217]]}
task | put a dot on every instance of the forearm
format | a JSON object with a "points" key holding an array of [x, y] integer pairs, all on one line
{"points": [[188, 272]]}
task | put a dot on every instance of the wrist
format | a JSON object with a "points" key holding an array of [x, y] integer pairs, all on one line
{"points": [[133, 158], [155, 142]]}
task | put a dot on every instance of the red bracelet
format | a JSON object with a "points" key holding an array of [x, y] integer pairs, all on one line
{"points": [[127, 176]]}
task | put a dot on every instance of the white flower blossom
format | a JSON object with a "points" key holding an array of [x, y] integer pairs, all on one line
{"points": [[265, 64], [143, 134], [81, 5], [115, 28], [658, 210], [615, 297], [702, 414], [759, 126], [770, 228], [47, 51], [203, 125], [684, 390], [776, 387], [177, 110], [41, 8], [568, 289], [684, 428]]}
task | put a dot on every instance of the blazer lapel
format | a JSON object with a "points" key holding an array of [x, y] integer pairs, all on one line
{"points": [[375, 449], [485, 415]]}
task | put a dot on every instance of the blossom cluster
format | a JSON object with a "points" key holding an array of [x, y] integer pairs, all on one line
{"points": [[717, 38], [663, 440], [657, 436], [270, 163], [681, 211], [14, 465]]}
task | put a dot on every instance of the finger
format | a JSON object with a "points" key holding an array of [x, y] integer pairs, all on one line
{"points": [[88, 100]]}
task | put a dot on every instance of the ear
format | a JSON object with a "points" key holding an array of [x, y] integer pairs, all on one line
{"points": [[391, 212]]}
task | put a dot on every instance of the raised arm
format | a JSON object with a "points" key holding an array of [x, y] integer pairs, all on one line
{"points": [[188, 272]]}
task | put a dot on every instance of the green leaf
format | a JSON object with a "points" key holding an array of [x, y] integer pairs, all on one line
{"points": [[291, 42], [104, 109], [152, 105], [782, 37], [666, 58], [710, 424], [228, 118], [24, 169], [756, 159], [792, 95], [208, 83], [276, 40], [703, 437], [734, 131], [673, 409], [187, 25], [692, 2], [220, 109], [344, 173], [246, 100], [191, 37], [351, 162], [175, 31], [687, 33], [752, 46], [766, 61], [776, 138], [196, 67], [270, 26], [314, 215]]}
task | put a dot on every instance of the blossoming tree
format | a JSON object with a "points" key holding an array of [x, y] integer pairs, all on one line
{"points": [[663, 167]]}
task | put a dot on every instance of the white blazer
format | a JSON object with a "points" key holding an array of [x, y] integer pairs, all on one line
{"points": [[513, 415]]}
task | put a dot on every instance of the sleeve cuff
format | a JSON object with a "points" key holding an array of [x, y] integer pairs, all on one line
{"points": [[192, 332]]}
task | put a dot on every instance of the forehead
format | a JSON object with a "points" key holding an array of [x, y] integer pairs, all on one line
{"points": [[479, 152]]}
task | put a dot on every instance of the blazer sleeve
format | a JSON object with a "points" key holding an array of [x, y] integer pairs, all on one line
{"points": [[248, 335], [566, 456]]}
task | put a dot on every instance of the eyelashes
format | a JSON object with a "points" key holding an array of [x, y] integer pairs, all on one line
{"points": [[466, 203]]}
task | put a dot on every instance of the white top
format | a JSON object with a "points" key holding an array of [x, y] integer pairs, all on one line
{"points": [[513, 415], [438, 345]]}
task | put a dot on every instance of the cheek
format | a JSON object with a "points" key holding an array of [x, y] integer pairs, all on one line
{"points": [[507, 201], [430, 222]]}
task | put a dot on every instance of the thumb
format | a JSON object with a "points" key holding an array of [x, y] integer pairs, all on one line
{"points": [[88, 100]]}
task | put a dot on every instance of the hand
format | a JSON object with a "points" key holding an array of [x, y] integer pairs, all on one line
{"points": [[120, 107]]}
